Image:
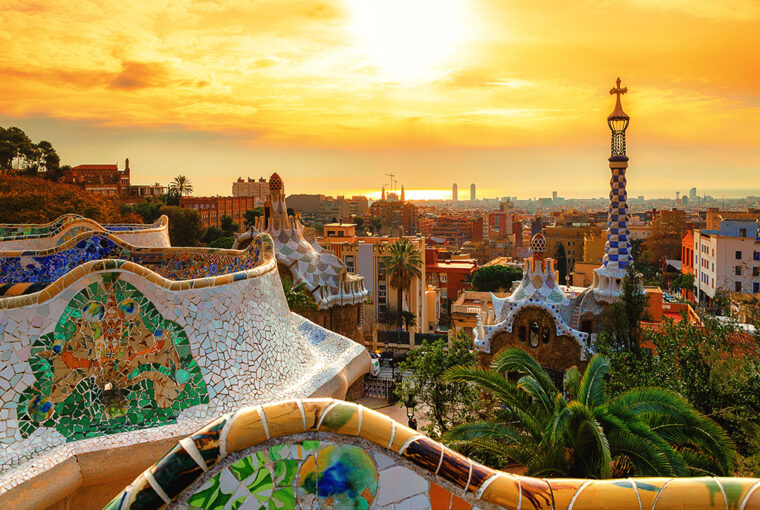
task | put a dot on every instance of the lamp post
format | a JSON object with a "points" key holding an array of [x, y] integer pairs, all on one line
{"points": [[410, 405]]}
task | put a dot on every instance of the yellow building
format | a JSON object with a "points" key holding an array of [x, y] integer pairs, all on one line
{"points": [[568, 240], [465, 310], [365, 256], [340, 230]]}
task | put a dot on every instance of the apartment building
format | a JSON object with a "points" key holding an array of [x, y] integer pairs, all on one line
{"points": [[727, 259]]}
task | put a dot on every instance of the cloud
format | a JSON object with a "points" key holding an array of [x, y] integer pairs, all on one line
{"points": [[139, 75]]}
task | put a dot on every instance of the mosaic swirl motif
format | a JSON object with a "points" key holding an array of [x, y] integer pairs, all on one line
{"points": [[112, 364]]}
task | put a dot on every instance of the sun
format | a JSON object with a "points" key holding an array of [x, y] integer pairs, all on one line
{"points": [[409, 40]]}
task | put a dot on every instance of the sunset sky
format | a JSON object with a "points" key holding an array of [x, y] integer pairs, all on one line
{"points": [[511, 95]]}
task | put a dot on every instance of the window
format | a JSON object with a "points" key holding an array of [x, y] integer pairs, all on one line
{"points": [[756, 255], [350, 266], [534, 330], [756, 287], [742, 232], [738, 270], [738, 286], [738, 255], [756, 271]]}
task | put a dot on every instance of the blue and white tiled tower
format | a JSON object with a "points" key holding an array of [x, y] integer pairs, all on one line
{"points": [[608, 278]]}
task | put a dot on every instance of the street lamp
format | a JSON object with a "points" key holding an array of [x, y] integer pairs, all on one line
{"points": [[410, 405]]}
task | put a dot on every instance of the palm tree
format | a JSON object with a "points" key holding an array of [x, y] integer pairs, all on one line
{"points": [[644, 432], [409, 319], [299, 299], [402, 265], [181, 186]]}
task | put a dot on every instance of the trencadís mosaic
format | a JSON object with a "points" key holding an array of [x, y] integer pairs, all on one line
{"points": [[113, 363]]}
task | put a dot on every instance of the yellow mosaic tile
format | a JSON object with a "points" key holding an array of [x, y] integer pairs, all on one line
{"points": [[313, 409], [376, 427], [403, 434], [342, 418], [284, 418], [607, 494], [504, 491], [247, 429]]}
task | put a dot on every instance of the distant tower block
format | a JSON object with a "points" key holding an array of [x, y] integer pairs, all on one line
{"points": [[454, 191], [472, 192], [403, 198], [608, 279]]}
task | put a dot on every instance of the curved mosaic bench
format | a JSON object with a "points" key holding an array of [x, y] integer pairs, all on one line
{"points": [[114, 354], [325, 453], [66, 227], [24, 272]]}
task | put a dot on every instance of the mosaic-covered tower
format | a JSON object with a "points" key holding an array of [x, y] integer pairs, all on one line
{"points": [[608, 279]]}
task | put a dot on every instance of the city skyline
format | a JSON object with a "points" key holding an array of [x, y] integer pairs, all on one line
{"points": [[336, 94]]}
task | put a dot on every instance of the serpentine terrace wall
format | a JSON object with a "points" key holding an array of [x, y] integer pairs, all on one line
{"points": [[49, 235], [113, 354], [24, 272], [329, 454]]}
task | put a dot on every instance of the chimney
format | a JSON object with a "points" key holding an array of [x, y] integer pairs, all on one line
{"points": [[126, 165]]}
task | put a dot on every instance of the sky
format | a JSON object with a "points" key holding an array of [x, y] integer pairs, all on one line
{"points": [[511, 95]]}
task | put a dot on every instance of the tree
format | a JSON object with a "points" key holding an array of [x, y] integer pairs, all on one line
{"points": [[495, 278], [713, 365], [148, 211], [181, 186], [581, 432], [621, 320], [442, 403], [228, 225], [375, 224], [185, 225], [36, 200], [298, 297], [402, 265], [15, 145], [561, 256], [250, 216], [409, 319], [682, 281]]}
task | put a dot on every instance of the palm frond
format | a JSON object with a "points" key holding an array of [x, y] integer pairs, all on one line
{"points": [[514, 359], [571, 382], [591, 388]]}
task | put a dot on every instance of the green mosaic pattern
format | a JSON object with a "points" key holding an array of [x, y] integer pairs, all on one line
{"points": [[112, 364], [308, 474]]}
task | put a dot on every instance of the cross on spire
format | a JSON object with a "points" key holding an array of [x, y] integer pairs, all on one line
{"points": [[617, 90]]}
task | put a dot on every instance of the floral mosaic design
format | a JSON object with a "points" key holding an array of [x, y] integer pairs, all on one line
{"points": [[112, 364], [304, 475]]}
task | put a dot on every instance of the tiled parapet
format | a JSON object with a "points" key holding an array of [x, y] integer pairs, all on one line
{"points": [[114, 354], [330, 454], [22, 272], [63, 229]]}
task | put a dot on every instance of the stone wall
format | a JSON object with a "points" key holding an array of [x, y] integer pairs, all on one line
{"points": [[327, 454], [551, 351], [49, 235], [113, 354]]}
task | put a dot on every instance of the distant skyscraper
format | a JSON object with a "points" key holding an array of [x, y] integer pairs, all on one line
{"points": [[693, 194], [454, 189], [472, 192], [554, 196]]}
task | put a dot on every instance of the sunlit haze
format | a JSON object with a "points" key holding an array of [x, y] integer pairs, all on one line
{"points": [[333, 95]]}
